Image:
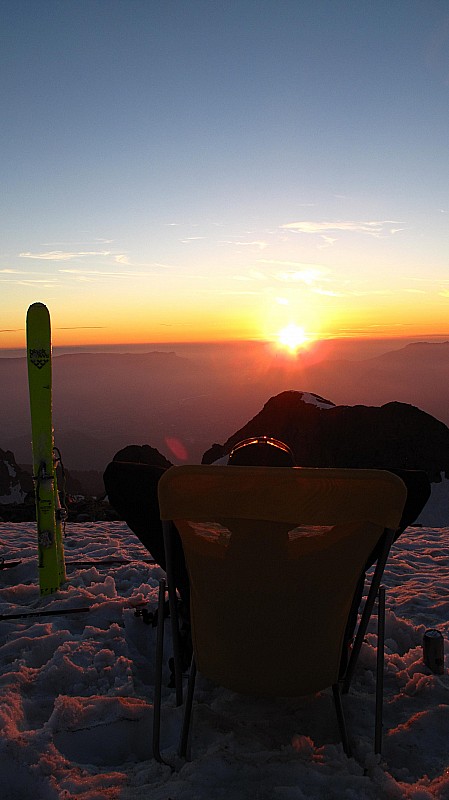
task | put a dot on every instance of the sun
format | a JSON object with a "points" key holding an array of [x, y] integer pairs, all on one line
{"points": [[292, 337]]}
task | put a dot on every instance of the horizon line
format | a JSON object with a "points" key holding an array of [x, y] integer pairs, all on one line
{"points": [[342, 338]]}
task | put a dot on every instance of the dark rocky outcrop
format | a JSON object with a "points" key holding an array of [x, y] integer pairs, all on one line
{"points": [[321, 434], [395, 435], [142, 454]]}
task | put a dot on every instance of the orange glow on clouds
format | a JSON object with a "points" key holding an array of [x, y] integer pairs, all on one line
{"points": [[135, 318]]}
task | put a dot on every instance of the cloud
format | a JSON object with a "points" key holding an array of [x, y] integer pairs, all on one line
{"points": [[374, 228], [226, 292], [309, 276], [257, 275], [328, 241], [97, 240], [114, 274], [259, 243], [328, 292], [97, 274], [369, 292], [14, 276], [252, 275], [297, 264], [48, 283], [63, 255], [80, 327], [298, 272], [295, 272], [123, 259]]}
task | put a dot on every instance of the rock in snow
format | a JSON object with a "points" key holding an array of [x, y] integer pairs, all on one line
{"points": [[15, 483]]}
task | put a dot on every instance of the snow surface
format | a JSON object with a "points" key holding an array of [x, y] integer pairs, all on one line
{"points": [[316, 400], [435, 513], [76, 692]]}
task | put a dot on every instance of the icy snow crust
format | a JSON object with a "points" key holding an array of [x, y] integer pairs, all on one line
{"points": [[76, 693]]}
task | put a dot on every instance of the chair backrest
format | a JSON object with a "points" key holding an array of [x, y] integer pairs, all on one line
{"points": [[274, 556]]}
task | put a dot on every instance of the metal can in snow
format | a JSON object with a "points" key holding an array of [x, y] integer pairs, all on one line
{"points": [[433, 651]]}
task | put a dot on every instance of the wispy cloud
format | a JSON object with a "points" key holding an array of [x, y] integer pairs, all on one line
{"points": [[14, 272], [97, 274], [371, 292], [328, 241], [297, 271], [260, 244], [124, 260], [114, 274], [371, 228], [328, 292], [94, 241], [48, 282], [309, 276], [252, 275], [278, 262], [64, 255], [225, 292], [80, 327]]}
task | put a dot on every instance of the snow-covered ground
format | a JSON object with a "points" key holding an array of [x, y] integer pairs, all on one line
{"points": [[435, 513], [77, 690]]}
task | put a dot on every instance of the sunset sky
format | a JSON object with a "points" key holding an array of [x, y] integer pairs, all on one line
{"points": [[200, 170]]}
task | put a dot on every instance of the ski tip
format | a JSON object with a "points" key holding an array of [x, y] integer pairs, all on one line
{"points": [[37, 307], [37, 315]]}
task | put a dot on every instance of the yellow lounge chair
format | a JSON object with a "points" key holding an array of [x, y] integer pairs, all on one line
{"points": [[274, 556]]}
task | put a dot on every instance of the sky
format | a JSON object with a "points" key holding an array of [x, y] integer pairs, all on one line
{"points": [[198, 170]]}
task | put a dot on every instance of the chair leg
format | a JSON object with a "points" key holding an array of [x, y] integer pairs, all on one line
{"points": [[380, 670], [341, 719], [368, 607], [158, 674], [172, 600], [182, 752]]}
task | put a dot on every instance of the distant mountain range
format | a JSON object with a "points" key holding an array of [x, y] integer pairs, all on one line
{"points": [[180, 405], [320, 434]]}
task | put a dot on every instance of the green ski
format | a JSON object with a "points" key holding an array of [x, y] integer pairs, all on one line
{"points": [[48, 510]]}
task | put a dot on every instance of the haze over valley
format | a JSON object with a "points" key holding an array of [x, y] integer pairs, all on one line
{"points": [[182, 399]]}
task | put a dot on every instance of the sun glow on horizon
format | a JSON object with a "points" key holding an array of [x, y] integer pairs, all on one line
{"points": [[292, 338]]}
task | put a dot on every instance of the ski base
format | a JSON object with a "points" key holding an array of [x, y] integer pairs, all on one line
{"points": [[49, 525]]}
